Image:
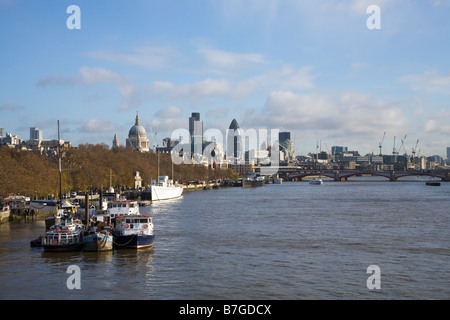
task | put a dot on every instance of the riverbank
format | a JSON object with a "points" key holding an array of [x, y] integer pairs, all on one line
{"points": [[22, 214]]}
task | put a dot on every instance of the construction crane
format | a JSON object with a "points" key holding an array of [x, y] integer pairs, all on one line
{"points": [[403, 145], [381, 144], [394, 152], [415, 148], [414, 154]]}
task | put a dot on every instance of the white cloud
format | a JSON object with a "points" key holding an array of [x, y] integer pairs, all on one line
{"points": [[90, 76], [429, 81], [348, 114], [148, 57], [169, 112], [437, 123], [224, 62], [97, 125], [286, 78]]}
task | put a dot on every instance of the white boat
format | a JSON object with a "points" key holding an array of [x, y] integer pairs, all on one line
{"points": [[65, 209], [316, 181], [65, 236], [165, 189], [117, 208], [4, 212], [133, 232], [277, 181]]}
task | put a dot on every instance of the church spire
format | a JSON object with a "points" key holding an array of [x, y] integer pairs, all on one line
{"points": [[137, 119]]}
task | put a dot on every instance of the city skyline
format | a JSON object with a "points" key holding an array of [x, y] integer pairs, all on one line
{"points": [[313, 69]]}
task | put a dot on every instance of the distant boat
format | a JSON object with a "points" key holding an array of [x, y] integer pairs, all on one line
{"points": [[43, 205], [4, 212], [133, 232], [165, 189], [433, 183], [316, 181], [277, 181], [251, 180]]}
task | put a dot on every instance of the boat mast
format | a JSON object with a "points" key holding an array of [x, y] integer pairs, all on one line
{"points": [[59, 163]]}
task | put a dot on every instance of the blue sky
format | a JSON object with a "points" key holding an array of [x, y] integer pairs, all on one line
{"points": [[309, 67]]}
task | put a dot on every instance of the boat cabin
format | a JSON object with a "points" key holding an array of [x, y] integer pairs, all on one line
{"points": [[142, 224], [120, 208], [61, 237]]}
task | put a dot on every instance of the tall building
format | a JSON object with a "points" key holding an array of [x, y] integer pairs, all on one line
{"points": [[196, 132], [234, 143], [137, 137], [36, 134], [2, 132], [448, 154], [286, 145], [115, 143]]}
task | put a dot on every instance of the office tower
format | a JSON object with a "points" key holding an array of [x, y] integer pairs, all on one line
{"points": [[286, 145], [36, 134], [196, 132]]}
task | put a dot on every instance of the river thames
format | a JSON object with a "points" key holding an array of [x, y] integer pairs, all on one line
{"points": [[291, 241]]}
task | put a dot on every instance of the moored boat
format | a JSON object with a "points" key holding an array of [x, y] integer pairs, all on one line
{"points": [[251, 180], [433, 183], [316, 181], [165, 189], [277, 181], [66, 236], [101, 240], [65, 209], [133, 232], [117, 208]]}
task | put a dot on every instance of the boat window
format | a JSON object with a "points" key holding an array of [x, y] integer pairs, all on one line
{"points": [[128, 220], [143, 220]]}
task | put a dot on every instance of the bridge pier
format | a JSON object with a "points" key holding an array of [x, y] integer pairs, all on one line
{"points": [[393, 177], [446, 177]]}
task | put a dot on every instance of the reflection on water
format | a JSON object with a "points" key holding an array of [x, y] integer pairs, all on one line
{"points": [[289, 241]]}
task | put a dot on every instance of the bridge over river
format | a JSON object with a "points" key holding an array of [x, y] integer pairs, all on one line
{"points": [[344, 175]]}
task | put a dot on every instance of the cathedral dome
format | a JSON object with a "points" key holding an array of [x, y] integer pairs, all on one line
{"points": [[137, 129], [137, 137]]}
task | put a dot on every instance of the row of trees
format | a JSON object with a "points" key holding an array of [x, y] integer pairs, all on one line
{"points": [[89, 166]]}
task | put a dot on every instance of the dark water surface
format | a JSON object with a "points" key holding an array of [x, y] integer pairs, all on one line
{"points": [[289, 241]]}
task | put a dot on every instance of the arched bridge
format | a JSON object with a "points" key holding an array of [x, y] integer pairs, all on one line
{"points": [[338, 175]]}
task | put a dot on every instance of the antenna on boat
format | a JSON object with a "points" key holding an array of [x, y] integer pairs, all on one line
{"points": [[59, 162]]}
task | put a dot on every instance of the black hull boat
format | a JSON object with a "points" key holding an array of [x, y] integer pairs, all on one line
{"points": [[133, 232]]}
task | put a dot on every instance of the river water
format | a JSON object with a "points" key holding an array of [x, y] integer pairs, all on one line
{"points": [[290, 241]]}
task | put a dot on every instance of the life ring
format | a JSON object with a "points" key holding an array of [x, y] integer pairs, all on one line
{"points": [[145, 226], [127, 226], [61, 230]]}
